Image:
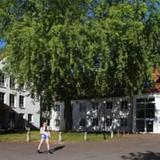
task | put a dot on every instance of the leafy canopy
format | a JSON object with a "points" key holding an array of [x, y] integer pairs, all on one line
{"points": [[81, 48]]}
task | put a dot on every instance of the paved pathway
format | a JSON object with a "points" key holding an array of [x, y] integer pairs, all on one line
{"points": [[134, 147]]}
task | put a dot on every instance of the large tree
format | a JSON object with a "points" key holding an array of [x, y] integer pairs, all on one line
{"points": [[80, 48], [127, 45], [44, 43]]}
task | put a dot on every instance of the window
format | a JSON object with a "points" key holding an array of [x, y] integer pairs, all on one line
{"points": [[57, 107], [150, 110], [150, 99], [21, 101], [12, 100], [109, 105], [21, 116], [123, 122], [108, 122], [30, 118], [57, 122], [82, 107], [2, 98], [82, 122], [95, 106], [12, 83], [21, 87], [124, 105], [140, 111], [95, 122], [145, 109], [2, 80], [140, 100]]}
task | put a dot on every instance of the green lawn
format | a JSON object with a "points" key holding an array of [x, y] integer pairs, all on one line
{"points": [[35, 136]]}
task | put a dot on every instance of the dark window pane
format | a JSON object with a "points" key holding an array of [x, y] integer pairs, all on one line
{"points": [[108, 122], [82, 122], [95, 106], [149, 113], [140, 125], [12, 100], [21, 101], [12, 83], [2, 80], [30, 118], [82, 107], [57, 122], [140, 106], [123, 122], [140, 100], [124, 105], [57, 107], [2, 98], [150, 99], [95, 122], [109, 105], [140, 113], [150, 106]]}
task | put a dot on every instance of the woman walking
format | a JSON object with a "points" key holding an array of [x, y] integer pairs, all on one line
{"points": [[45, 135]]}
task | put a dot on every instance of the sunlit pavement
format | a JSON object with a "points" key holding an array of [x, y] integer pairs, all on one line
{"points": [[130, 147]]}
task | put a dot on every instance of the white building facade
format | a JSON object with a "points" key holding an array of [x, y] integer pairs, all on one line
{"points": [[120, 114], [146, 113], [17, 109]]}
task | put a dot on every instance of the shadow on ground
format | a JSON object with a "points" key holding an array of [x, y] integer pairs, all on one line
{"points": [[57, 148], [142, 156], [54, 149]]}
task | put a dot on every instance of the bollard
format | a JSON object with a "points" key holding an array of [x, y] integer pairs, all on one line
{"points": [[112, 134], [28, 134], [85, 136], [60, 137], [124, 133]]}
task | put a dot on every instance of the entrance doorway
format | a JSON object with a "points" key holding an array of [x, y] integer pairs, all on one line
{"points": [[149, 126], [145, 113]]}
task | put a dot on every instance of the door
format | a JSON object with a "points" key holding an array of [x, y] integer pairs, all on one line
{"points": [[149, 126]]}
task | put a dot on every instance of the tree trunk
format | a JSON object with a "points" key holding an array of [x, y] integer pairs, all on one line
{"points": [[68, 115], [132, 109]]}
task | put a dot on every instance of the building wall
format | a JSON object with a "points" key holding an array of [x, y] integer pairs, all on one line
{"points": [[97, 115], [136, 114], [157, 115], [13, 117], [102, 115], [57, 117], [151, 121]]}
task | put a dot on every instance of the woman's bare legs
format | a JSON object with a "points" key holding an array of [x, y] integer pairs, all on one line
{"points": [[47, 143], [40, 144]]}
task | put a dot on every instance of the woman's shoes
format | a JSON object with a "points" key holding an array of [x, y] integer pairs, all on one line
{"points": [[50, 152], [39, 151]]}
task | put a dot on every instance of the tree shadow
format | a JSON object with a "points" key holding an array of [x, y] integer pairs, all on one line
{"points": [[149, 155], [11, 121]]}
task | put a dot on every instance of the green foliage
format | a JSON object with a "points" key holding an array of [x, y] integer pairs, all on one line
{"points": [[80, 48]]}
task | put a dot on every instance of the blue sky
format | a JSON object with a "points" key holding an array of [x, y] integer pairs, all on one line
{"points": [[2, 43]]}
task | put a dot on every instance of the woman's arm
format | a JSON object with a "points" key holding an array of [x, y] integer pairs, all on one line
{"points": [[41, 131]]}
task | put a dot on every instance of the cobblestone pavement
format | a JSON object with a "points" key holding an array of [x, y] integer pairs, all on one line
{"points": [[133, 147]]}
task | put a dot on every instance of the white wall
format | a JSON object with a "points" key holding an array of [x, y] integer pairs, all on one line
{"points": [[57, 115], [101, 114], [88, 113], [30, 106]]}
